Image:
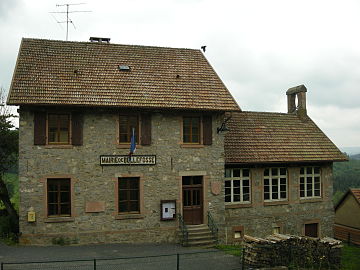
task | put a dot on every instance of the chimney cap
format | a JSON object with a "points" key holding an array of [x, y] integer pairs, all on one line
{"points": [[99, 39], [296, 89]]}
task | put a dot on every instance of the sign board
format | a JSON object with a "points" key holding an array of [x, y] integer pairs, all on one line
{"points": [[127, 160], [168, 210]]}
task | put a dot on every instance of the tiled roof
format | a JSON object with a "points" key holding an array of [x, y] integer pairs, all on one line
{"points": [[356, 193], [261, 137], [53, 72]]}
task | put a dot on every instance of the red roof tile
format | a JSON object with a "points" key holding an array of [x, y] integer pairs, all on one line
{"points": [[261, 137], [50, 72]]}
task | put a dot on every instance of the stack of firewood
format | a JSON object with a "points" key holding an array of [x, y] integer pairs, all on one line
{"points": [[280, 249]]}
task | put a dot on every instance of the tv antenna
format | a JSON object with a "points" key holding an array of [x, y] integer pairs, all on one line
{"points": [[68, 20]]}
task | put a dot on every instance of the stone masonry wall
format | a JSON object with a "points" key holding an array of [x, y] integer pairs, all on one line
{"points": [[94, 183], [259, 218]]}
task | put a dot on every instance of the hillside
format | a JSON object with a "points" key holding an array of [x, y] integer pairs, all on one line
{"points": [[346, 175]]}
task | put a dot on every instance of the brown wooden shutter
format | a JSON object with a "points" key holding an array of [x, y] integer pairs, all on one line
{"points": [[207, 129], [146, 129], [77, 128], [39, 128]]}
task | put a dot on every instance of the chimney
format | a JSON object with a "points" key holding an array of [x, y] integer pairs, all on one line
{"points": [[297, 93], [99, 40]]}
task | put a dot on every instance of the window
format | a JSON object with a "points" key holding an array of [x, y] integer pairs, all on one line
{"points": [[310, 182], [237, 185], [58, 128], [191, 130], [275, 184], [58, 197], [126, 125], [311, 230], [129, 195]]}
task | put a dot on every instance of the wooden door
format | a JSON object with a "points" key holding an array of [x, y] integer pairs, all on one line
{"points": [[192, 199]]}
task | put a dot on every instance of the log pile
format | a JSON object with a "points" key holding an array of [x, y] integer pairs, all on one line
{"points": [[287, 250]]}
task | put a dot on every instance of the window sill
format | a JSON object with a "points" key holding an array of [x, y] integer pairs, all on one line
{"points": [[59, 146], [276, 203], [311, 200], [129, 216], [127, 146], [188, 145], [59, 219], [237, 205]]}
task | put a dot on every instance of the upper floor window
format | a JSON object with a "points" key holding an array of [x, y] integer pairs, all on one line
{"points": [[128, 123], [275, 184], [191, 130], [237, 185], [58, 197], [58, 128], [310, 182], [197, 130]]}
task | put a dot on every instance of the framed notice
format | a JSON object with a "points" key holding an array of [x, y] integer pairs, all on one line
{"points": [[168, 209]]}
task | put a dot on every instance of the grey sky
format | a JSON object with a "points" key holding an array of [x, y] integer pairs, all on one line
{"points": [[259, 48]]}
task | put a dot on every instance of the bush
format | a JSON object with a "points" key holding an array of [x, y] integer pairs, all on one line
{"points": [[6, 234]]}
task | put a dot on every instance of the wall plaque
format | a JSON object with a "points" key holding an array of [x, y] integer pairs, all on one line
{"points": [[127, 160]]}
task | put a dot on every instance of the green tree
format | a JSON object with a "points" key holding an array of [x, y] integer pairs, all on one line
{"points": [[8, 157]]}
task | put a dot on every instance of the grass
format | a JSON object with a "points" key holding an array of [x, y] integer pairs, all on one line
{"points": [[230, 249], [350, 257]]}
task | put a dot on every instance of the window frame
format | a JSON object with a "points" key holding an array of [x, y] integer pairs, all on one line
{"points": [[231, 178], [48, 142], [313, 176], [200, 127], [270, 179], [129, 131], [58, 182], [128, 190]]}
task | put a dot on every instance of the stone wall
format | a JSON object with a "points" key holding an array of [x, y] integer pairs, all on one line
{"points": [[261, 218], [286, 250], [93, 183]]}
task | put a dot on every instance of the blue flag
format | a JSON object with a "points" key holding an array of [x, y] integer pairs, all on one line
{"points": [[132, 142]]}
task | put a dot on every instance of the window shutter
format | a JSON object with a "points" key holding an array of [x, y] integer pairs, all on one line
{"points": [[77, 128], [39, 128], [146, 129], [207, 130]]}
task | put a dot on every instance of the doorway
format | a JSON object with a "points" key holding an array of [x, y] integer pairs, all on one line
{"points": [[192, 190]]}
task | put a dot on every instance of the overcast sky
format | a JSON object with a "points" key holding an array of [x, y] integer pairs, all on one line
{"points": [[259, 48]]}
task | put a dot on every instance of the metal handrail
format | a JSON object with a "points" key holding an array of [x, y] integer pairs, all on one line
{"points": [[212, 226], [184, 230]]}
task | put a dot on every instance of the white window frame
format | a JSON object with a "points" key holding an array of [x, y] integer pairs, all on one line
{"points": [[305, 175], [278, 176], [241, 178]]}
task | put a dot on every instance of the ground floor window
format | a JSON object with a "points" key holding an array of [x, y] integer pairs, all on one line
{"points": [[237, 185], [129, 195], [58, 197], [312, 230], [275, 184]]}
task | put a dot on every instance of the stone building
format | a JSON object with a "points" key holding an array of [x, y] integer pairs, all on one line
{"points": [[83, 103]]}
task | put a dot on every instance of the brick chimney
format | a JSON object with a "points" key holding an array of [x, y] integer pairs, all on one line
{"points": [[297, 93]]}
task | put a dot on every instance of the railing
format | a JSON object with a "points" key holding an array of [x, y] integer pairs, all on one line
{"points": [[212, 226], [184, 231]]}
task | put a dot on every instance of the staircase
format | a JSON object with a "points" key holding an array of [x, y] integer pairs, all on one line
{"points": [[200, 236]]}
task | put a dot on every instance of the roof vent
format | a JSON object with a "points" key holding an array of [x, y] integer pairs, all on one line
{"points": [[99, 39], [124, 68]]}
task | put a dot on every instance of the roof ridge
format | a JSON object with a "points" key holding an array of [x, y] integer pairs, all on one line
{"points": [[109, 44]]}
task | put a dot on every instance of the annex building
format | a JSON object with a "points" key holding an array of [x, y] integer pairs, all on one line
{"points": [[200, 162]]}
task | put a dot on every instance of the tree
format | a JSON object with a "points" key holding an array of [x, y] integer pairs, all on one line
{"points": [[8, 156]]}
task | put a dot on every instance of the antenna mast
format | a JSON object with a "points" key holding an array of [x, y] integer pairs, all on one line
{"points": [[68, 20]]}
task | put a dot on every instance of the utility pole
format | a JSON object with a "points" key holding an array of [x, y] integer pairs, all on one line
{"points": [[68, 20]]}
